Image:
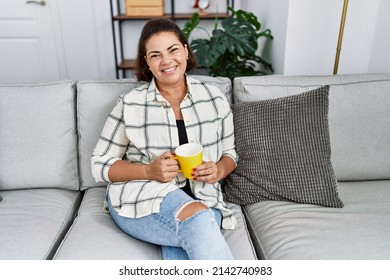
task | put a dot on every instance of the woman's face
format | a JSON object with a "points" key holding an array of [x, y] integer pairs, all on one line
{"points": [[166, 57]]}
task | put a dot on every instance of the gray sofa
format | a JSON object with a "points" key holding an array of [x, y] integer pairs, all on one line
{"points": [[359, 126], [51, 207]]}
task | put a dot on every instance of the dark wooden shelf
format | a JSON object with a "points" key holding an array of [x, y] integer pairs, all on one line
{"points": [[123, 17], [127, 64], [202, 16]]}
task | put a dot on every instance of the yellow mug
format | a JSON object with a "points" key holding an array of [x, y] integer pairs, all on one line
{"points": [[189, 156]]}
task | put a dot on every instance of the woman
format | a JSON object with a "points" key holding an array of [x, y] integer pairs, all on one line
{"points": [[147, 197]]}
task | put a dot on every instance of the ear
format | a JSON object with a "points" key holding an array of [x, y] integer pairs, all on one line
{"points": [[186, 49]]}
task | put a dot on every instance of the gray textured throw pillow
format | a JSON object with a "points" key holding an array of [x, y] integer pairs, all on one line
{"points": [[284, 151]]}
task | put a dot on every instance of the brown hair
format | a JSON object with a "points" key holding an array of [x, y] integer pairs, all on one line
{"points": [[152, 27]]}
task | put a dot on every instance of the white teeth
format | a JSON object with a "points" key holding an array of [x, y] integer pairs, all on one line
{"points": [[169, 69]]}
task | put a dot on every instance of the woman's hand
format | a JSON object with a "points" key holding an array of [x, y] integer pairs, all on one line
{"points": [[211, 172], [207, 172], [164, 168]]}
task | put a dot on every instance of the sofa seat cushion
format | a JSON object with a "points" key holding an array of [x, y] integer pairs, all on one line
{"points": [[34, 221], [94, 235], [360, 230]]}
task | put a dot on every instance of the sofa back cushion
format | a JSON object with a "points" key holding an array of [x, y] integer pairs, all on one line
{"points": [[359, 117], [95, 101], [38, 139]]}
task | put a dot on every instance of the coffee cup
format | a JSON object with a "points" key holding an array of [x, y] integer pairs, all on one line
{"points": [[189, 156]]}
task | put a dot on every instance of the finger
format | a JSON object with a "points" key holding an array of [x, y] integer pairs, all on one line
{"points": [[171, 161], [205, 168], [172, 167], [206, 178], [166, 155]]}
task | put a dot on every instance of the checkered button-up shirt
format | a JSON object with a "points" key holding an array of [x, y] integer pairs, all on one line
{"points": [[142, 126]]}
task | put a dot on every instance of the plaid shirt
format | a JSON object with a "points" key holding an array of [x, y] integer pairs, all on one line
{"points": [[142, 126]]}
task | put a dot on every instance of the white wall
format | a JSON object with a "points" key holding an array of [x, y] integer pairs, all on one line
{"points": [[360, 28], [380, 54], [273, 15], [311, 36], [305, 35]]}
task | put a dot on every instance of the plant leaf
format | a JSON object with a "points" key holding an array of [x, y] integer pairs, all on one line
{"points": [[231, 50], [266, 33], [240, 36], [248, 17], [190, 25], [265, 64]]}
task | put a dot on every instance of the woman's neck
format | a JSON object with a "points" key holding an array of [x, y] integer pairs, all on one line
{"points": [[174, 94], [174, 91]]}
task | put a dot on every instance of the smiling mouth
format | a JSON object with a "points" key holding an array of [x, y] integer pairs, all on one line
{"points": [[169, 70]]}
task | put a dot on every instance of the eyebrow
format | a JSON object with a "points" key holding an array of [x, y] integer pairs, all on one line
{"points": [[170, 47]]}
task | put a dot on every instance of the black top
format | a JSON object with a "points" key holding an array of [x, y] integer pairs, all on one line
{"points": [[183, 140]]}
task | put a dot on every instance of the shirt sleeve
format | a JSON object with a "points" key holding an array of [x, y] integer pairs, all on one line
{"points": [[228, 143], [112, 144], [229, 148]]}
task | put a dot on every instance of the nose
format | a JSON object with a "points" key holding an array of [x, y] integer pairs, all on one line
{"points": [[166, 58]]}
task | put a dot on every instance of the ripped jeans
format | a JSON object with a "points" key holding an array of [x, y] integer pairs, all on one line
{"points": [[198, 237]]}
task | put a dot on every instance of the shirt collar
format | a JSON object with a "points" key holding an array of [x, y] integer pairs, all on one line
{"points": [[189, 86], [152, 92]]}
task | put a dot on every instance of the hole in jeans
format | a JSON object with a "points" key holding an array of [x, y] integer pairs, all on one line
{"points": [[190, 209]]}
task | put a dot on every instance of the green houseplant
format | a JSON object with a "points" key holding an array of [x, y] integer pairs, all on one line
{"points": [[231, 50]]}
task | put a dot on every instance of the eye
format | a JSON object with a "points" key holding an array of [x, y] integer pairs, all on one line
{"points": [[154, 56]]}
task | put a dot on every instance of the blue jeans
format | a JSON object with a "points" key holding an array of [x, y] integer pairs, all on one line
{"points": [[198, 237]]}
